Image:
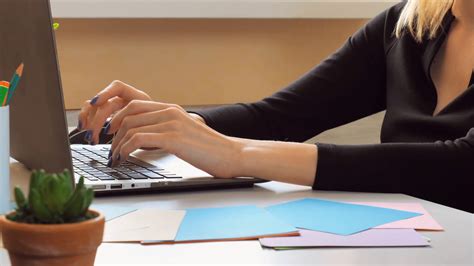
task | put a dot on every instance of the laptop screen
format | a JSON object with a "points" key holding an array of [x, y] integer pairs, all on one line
{"points": [[38, 128]]}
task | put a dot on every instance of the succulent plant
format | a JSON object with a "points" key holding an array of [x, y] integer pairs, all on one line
{"points": [[53, 200]]}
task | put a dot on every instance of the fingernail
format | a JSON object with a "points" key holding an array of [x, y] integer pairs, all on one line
{"points": [[79, 125], [94, 100], [88, 136], [107, 127], [109, 163], [118, 157], [110, 154]]}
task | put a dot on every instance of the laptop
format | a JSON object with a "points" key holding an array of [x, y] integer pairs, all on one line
{"points": [[39, 133]]}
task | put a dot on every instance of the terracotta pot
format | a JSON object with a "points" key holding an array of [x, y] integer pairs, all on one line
{"points": [[52, 244]]}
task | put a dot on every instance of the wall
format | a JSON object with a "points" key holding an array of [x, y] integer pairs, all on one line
{"points": [[193, 61]]}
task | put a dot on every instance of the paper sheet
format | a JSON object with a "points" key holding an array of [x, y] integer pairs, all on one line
{"points": [[144, 225], [239, 222], [111, 211], [422, 222], [368, 238], [335, 217]]}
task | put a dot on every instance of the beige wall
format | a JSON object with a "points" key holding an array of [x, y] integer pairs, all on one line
{"points": [[193, 61]]}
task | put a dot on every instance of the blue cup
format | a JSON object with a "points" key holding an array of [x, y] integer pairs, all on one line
{"points": [[4, 160]]}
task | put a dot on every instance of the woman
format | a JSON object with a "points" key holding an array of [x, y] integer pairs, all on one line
{"points": [[415, 60]]}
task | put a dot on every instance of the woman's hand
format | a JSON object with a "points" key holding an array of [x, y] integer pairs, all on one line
{"points": [[95, 112], [139, 122], [147, 124]]}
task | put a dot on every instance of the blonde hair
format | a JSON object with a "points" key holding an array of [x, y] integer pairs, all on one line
{"points": [[422, 17]]}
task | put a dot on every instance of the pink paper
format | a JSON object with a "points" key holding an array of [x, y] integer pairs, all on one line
{"points": [[422, 222], [368, 238]]}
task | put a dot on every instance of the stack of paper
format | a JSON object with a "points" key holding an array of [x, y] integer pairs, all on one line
{"points": [[295, 224], [363, 224]]}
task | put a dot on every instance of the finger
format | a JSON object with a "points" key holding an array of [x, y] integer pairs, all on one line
{"points": [[119, 89], [89, 118], [83, 114], [136, 107], [103, 112], [141, 120], [137, 141], [171, 126]]}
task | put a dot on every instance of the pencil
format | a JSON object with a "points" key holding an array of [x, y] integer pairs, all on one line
{"points": [[4, 85], [14, 82]]}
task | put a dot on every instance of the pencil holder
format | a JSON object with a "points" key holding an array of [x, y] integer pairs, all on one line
{"points": [[4, 159]]}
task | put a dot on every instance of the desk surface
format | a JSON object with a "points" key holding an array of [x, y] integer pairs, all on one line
{"points": [[453, 246], [219, 8]]}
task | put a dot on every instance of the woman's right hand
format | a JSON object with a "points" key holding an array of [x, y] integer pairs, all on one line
{"points": [[95, 112]]}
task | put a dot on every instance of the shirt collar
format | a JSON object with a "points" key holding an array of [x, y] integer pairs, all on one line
{"points": [[433, 45]]}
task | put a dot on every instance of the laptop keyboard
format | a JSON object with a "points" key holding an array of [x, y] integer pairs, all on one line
{"points": [[92, 164]]}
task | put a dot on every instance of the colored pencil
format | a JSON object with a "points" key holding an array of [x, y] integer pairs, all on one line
{"points": [[14, 82], [4, 85]]}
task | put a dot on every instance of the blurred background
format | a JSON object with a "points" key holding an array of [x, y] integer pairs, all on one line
{"points": [[200, 53]]}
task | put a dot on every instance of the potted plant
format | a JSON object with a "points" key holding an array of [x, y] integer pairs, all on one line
{"points": [[54, 225]]}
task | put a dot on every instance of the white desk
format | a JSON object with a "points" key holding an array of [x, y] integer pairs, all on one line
{"points": [[219, 8], [453, 246]]}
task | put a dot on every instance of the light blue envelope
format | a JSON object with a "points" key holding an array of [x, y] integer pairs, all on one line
{"points": [[111, 211], [229, 223], [335, 217]]}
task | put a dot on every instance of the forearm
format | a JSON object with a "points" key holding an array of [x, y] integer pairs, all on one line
{"points": [[279, 161]]}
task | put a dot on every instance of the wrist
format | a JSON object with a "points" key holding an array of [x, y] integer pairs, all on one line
{"points": [[239, 148], [272, 160], [197, 117]]}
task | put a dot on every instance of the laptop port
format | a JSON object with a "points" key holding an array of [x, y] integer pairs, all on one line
{"points": [[98, 187], [116, 186]]}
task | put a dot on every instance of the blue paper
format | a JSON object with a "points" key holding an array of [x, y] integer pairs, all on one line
{"points": [[229, 222], [335, 217], [111, 211]]}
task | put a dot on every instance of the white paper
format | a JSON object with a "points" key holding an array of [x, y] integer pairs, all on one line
{"points": [[143, 225]]}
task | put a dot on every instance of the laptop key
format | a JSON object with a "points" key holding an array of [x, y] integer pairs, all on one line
{"points": [[138, 168], [100, 174], [120, 176], [106, 177], [153, 175], [138, 176], [109, 170], [154, 168]]}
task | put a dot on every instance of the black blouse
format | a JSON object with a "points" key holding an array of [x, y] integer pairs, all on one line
{"points": [[426, 156]]}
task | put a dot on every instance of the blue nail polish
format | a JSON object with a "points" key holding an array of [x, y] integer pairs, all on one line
{"points": [[94, 100], [110, 154], [88, 136], [107, 127], [79, 125], [109, 163]]}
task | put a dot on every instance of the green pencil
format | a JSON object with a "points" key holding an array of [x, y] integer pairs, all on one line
{"points": [[4, 85], [14, 82]]}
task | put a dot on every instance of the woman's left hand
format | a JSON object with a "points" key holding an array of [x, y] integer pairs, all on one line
{"points": [[147, 124]]}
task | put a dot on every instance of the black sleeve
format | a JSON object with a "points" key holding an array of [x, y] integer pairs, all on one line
{"points": [[441, 171], [348, 85]]}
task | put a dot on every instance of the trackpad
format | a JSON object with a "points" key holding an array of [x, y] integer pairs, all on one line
{"points": [[170, 162]]}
